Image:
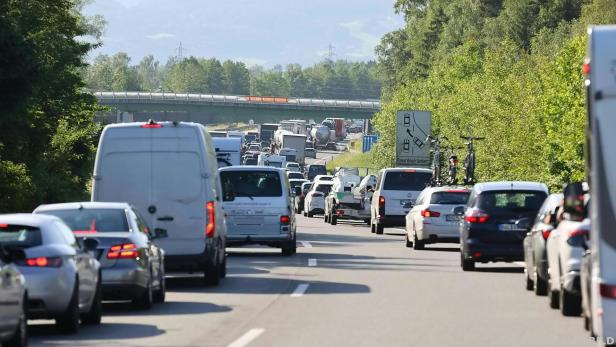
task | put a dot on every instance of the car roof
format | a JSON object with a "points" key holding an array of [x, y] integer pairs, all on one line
{"points": [[83, 205], [402, 169], [29, 219], [510, 185], [448, 188], [251, 168], [164, 123], [324, 183]]}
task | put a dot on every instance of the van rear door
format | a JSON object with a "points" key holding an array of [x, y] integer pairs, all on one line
{"points": [[400, 187]]}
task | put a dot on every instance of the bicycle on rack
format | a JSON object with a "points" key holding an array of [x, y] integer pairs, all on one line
{"points": [[435, 142], [469, 161], [453, 165]]}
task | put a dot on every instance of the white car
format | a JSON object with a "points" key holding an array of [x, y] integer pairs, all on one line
{"points": [[13, 300], [62, 277], [293, 167], [326, 178], [432, 219], [565, 249], [396, 190], [315, 199]]}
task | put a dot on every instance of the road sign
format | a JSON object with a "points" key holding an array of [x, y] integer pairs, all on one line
{"points": [[412, 130], [368, 142]]}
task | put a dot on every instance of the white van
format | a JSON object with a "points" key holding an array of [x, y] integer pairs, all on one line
{"points": [[258, 205], [395, 193], [601, 95], [168, 172], [228, 151]]}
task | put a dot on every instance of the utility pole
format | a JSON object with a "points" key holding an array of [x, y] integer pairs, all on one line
{"points": [[180, 51], [330, 52]]}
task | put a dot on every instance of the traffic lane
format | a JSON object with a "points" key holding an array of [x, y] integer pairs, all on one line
{"points": [[408, 297], [322, 157], [194, 315]]}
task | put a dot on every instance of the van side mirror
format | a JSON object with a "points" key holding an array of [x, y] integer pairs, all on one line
{"points": [[459, 211], [90, 245], [574, 200]]}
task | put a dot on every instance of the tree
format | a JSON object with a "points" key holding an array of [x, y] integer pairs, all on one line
{"points": [[236, 78]]}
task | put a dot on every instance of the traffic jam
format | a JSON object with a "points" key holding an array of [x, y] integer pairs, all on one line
{"points": [[171, 197]]}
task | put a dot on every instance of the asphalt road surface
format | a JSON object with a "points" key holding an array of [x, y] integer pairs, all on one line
{"points": [[344, 287]]}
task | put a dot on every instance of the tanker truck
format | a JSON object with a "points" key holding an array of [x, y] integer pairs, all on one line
{"points": [[320, 135]]}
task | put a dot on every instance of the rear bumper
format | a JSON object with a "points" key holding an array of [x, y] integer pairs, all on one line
{"points": [[124, 283], [484, 252], [392, 220], [190, 262], [267, 240], [432, 231]]}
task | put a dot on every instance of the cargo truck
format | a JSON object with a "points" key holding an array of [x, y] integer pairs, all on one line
{"points": [[266, 131]]}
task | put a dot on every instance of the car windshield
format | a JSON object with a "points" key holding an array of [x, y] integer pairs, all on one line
{"points": [[93, 220], [449, 198], [323, 188], [406, 180], [519, 201], [251, 184], [19, 236]]}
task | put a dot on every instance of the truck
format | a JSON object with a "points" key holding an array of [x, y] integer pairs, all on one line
{"points": [[297, 143], [600, 69], [350, 197], [236, 134], [266, 131], [228, 151], [320, 135], [337, 126], [273, 160]]}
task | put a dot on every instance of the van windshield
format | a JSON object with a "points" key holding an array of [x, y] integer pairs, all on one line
{"points": [[250, 184], [92, 220], [406, 180]]}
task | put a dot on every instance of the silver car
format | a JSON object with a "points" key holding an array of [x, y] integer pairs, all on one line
{"points": [[132, 265], [62, 276], [13, 296]]}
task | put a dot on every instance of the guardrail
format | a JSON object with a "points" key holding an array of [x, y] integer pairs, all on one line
{"points": [[237, 99]]}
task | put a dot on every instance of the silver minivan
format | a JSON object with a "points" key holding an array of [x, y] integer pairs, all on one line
{"points": [[258, 206], [168, 172]]}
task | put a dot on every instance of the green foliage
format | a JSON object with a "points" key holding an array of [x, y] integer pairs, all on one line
{"points": [[47, 132], [508, 71]]}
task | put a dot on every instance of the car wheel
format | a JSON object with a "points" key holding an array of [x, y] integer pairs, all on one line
{"points": [[161, 292], [304, 213], [372, 227], [467, 264], [541, 285], [333, 219], [223, 267], [409, 243], [211, 275], [326, 218], [289, 248], [570, 304], [146, 299], [379, 228], [554, 299], [367, 221], [418, 244], [309, 214], [68, 322], [93, 317], [20, 337], [528, 281]]}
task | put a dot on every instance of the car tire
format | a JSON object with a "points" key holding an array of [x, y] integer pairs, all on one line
{"points": [[367, 221], [570, 304], [161, 292], [223, 267], [289, 248], [93, 317], [467, 264], [145, 300], [418, 244], [309, 214], [304, 213], [540, 285], [408, 241], [333, 219], [554, 298], [529, 284], [372, 228], [379, 228], [68, 322], [326, 218], [20, 337], [211, 275]]}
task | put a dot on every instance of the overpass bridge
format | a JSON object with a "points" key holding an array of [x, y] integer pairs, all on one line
{"points": [[215, 109]]}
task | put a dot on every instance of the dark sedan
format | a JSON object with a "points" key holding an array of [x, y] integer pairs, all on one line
{"points": [[496, 219], [132, 265], [535, 254]]}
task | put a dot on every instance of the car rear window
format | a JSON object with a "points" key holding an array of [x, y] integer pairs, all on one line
{"points": [[317, 169], [295, 175], [250, 184], [519, 201], [406, 180], [19, 236], [294, 184], [449, 198], [323, 188], [93, 220]]}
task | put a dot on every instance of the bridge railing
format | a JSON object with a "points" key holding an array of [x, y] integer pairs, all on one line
{"points": [[236, 99]]}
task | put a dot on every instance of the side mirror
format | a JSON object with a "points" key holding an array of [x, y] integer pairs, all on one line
{"points": [[574, 200], [90, 245], [159, 233], [459, 211]]}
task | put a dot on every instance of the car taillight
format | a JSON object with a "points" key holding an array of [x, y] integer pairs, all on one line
{"points": [[285, 220], [576, 237], [123, 251], [578, 232], [607, 290], [476, 216], [42, 262], [546, 233], [381, 202], [211, 220], [428, 213]]}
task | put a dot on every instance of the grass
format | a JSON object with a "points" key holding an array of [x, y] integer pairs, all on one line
{"points": [[353, 159]]}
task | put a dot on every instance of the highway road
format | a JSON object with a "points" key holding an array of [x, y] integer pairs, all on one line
{"points": [[344, 287]]}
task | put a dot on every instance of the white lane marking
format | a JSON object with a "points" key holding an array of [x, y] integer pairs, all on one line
{"points": [[306, 244], [521, 263], [312, 262], [300, 290], [247, 338]]}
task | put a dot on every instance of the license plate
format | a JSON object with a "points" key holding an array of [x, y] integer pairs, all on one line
{"points": [[508, 227], [453, 218], [404, 202]]}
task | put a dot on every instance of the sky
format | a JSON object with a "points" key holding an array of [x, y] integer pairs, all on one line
{"points": [[257, 32]]}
